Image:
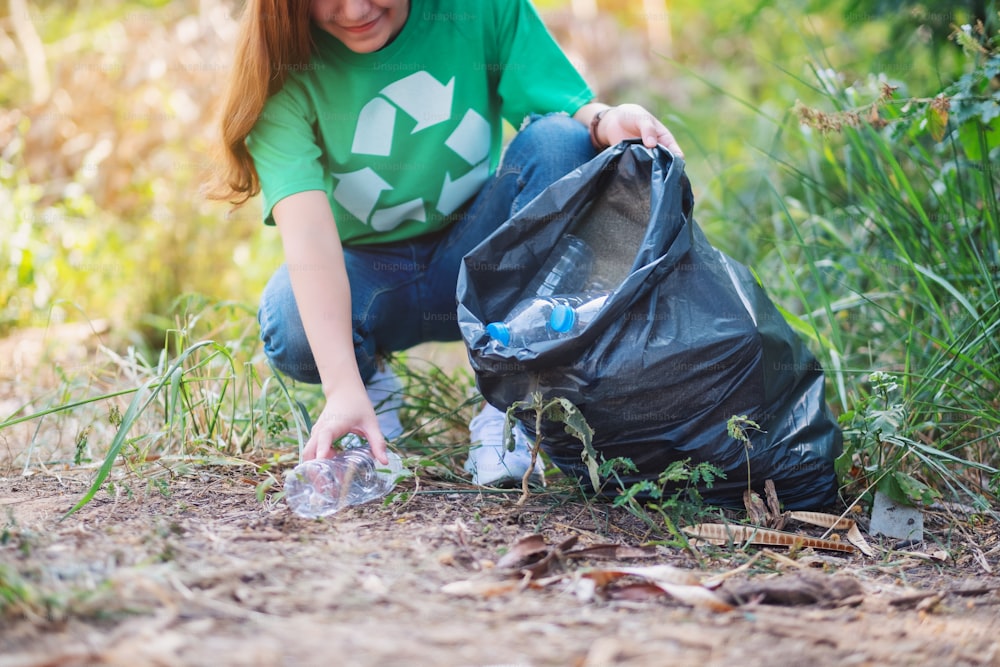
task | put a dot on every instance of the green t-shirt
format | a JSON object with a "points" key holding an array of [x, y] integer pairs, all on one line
{"points": [[399, 139]]}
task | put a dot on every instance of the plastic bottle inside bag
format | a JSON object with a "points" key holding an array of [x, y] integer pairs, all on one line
{"points": [[321, 487], [567, 269], [575, 313], [542, 318]]}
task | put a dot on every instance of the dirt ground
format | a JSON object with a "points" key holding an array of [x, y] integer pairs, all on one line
{"points": [[200, 571], [206, 574]]}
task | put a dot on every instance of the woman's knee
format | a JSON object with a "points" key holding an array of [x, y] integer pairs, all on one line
{"points": [[548, 147], [544, 151], [284, 336], [561, 137]]}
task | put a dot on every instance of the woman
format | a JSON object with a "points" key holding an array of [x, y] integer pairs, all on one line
{"points": [[373, 130]]}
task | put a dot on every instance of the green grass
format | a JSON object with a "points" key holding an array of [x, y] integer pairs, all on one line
{"points": [[209, 398], [893, 260]]}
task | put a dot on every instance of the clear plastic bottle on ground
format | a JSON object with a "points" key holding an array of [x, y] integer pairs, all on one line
{"points": [[543, 318], [321, 487]]}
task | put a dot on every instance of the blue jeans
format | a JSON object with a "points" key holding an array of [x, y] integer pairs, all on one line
{"points": [[403, 293]]}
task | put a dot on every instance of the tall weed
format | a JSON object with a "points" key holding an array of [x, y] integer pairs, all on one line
{"points": [[895, 263]]}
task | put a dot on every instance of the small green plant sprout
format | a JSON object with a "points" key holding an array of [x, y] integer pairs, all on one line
{"points": [[875, 447], [81, 454], [609, 471], [738, 428], [673, 496], [560, 410]]}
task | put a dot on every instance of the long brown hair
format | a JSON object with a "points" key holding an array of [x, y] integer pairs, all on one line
{"points": [[273, 39]]}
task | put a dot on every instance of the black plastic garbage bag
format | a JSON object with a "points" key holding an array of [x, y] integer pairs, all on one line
{"points": [[687, 340]]}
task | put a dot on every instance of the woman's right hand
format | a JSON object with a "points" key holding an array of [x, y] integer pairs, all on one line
{"points": [[347, 410]]}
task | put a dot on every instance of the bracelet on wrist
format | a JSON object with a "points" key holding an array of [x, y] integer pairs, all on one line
{"points": [[594, 123]]}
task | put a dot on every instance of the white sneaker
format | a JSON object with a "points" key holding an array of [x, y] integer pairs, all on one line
{"points": [[489, 461], [385, 391]]}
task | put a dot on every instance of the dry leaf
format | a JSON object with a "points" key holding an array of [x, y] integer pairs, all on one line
{"points": [[661, 574], [823, 520], [765, 511], [563, 546], [532, 556], [676, 582], [718, 533], [637, 592], [855, 537], [480, 588], [937, 121], [524, 549], [602, 578], [756, 510], [776, 518], [612, 552], [939, 556], [696, 596]]}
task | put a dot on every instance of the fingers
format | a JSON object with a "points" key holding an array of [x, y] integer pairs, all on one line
{"points": [[649, 130], [320, 443], [632, 120], [326, 431], [309, 453], [666, 139], [654, 132], [377, 442]]}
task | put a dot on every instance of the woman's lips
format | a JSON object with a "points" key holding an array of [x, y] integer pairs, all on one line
{"points": [[364, 27]]}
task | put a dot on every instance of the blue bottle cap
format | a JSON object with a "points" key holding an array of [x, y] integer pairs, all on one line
{"points": [[499, 332], [563, 318]]}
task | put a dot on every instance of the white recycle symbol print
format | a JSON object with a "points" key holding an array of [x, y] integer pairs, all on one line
{"points": [[428, 102]]}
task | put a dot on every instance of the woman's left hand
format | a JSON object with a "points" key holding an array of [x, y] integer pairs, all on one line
{"points": [[629, 121]]}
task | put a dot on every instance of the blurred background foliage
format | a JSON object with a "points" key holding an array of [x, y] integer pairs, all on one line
{"points": [[108, 116], [844, 149], [107, 131]]}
